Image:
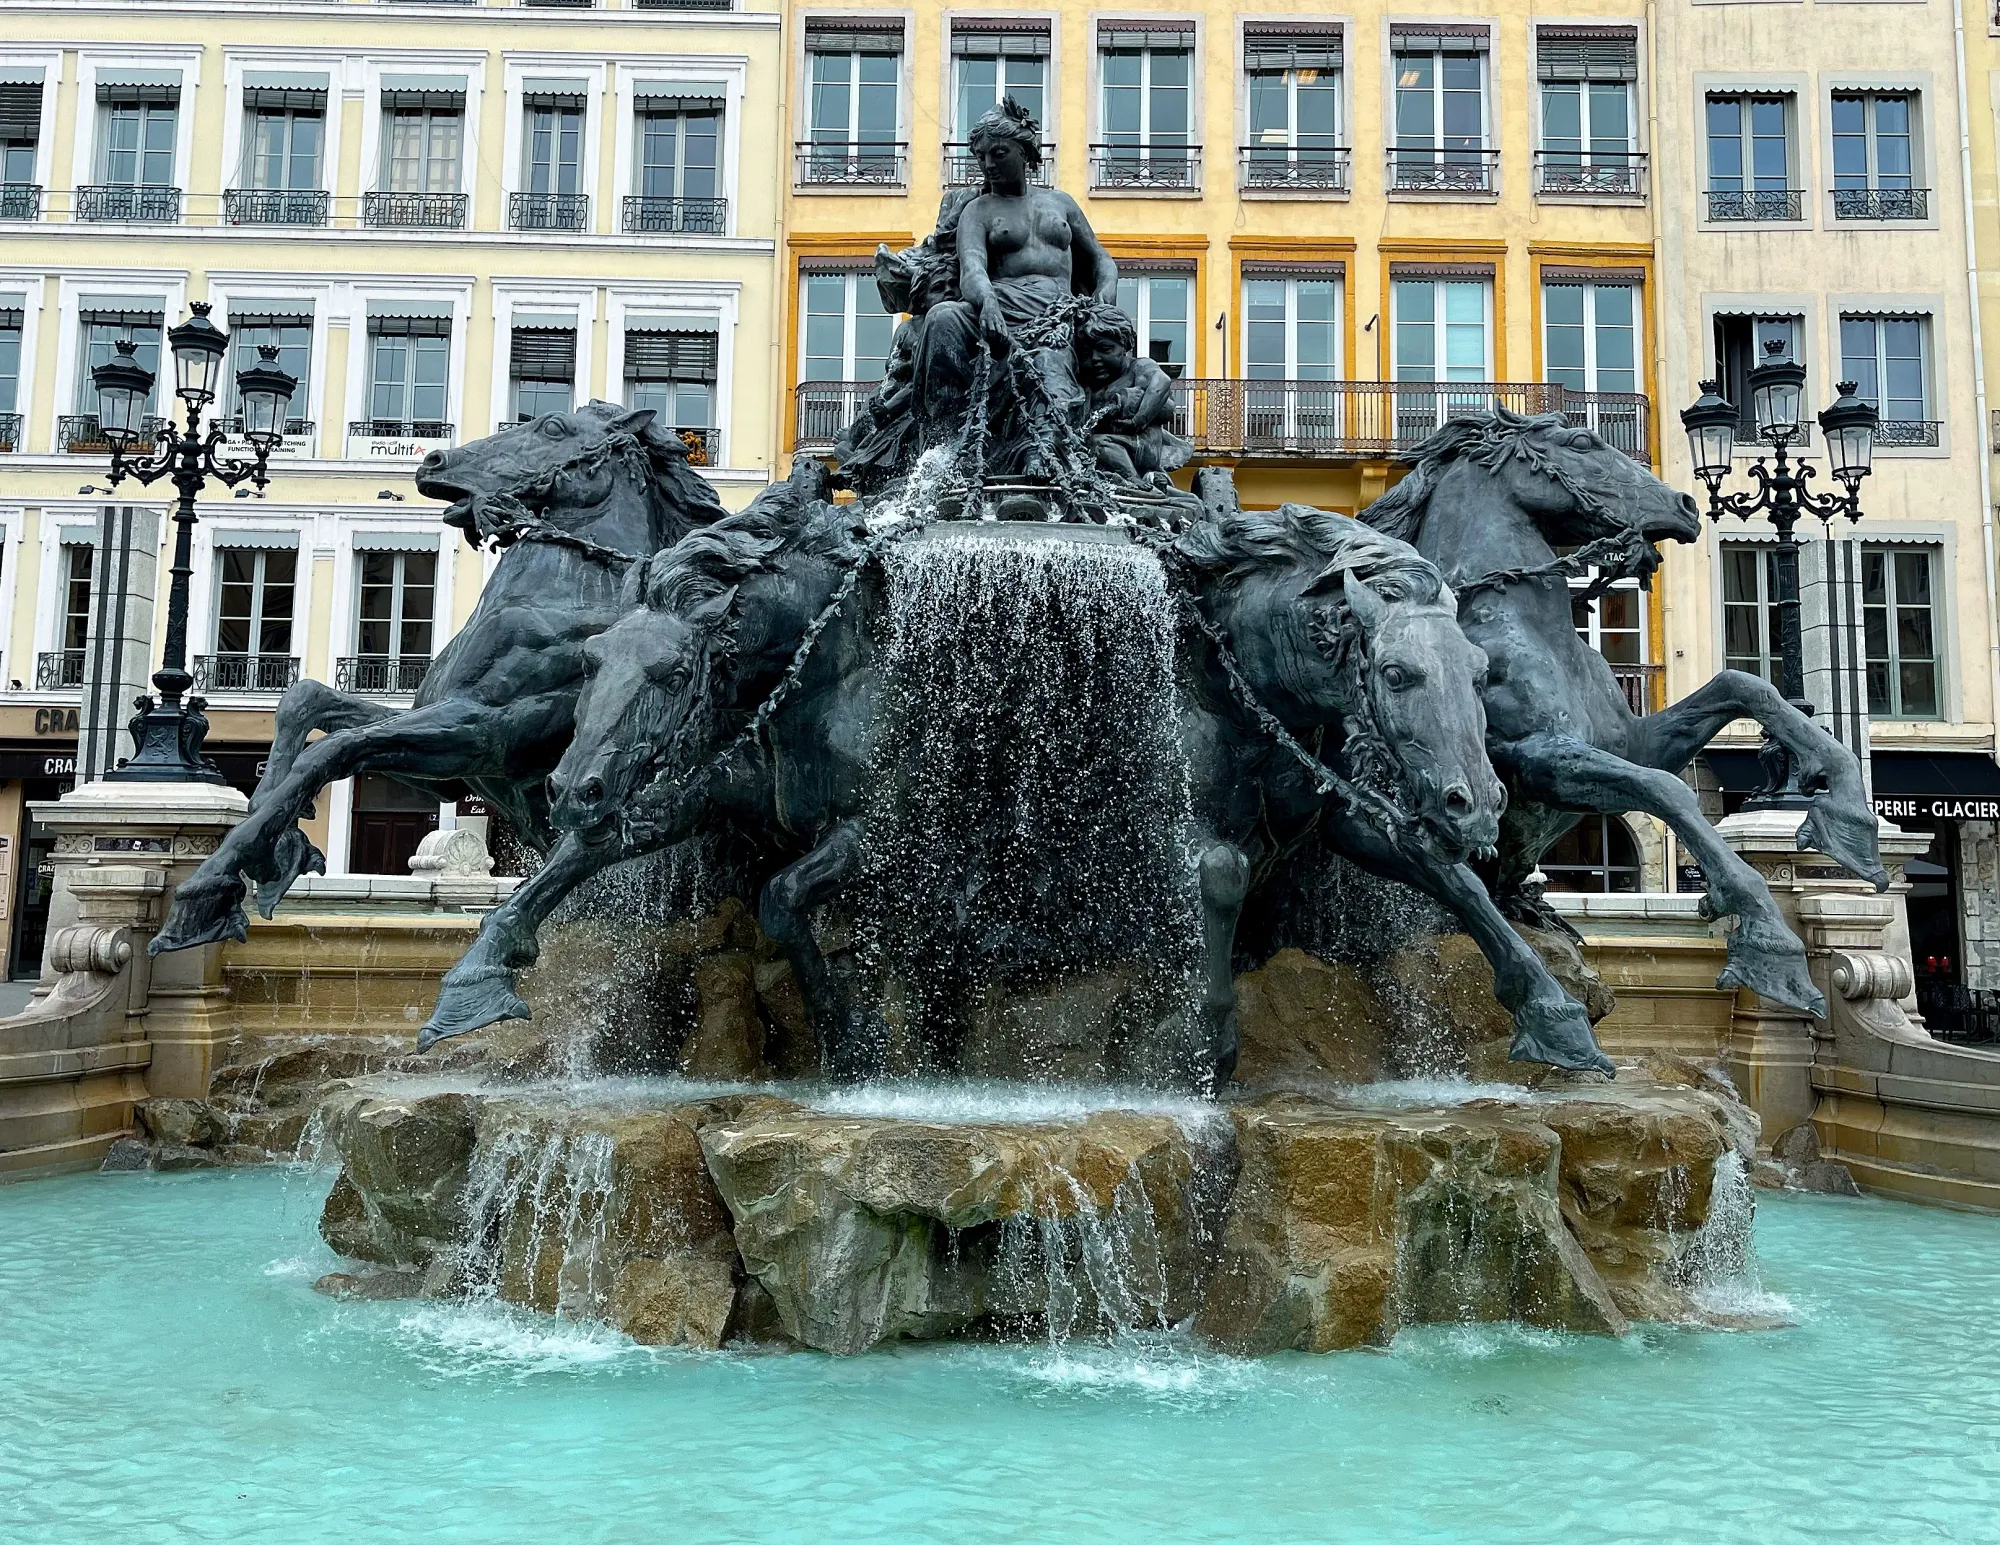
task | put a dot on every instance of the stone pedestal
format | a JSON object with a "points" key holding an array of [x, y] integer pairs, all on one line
{"points": [[163, 829], [1770, 1051]]}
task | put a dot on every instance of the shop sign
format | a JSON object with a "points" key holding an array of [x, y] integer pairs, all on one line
{"points": [[55, 721], [37, 764], [1938, 809]]}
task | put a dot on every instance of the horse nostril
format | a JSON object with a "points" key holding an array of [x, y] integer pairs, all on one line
{"points": [[1689, 508], [1458, 801], [434, 462]]}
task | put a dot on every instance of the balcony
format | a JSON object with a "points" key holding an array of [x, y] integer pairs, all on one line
{"points": [[1294, 168], [1156, 168], [1421, 169], [79, 434], [651, 215], [60, 670], [153, 206], [244, 672], [1601, 174], [844, 164], [1756, 204], [374, 675], [1637, 683], [388, 439], [1892, 433], [1881, 203], [276, 206], [20, 201], [961, 167], [1327, 421], [548, 211], [11, 425], [414, 211]]}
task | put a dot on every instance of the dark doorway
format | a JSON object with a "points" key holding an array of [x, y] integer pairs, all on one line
{"points": [[34, 880], [390, 819]]}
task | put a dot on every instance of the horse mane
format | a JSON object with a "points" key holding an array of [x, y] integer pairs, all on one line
{"points": [[1229, 544], [786, 517]]}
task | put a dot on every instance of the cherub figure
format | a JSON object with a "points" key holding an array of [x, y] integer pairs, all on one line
{"points": [[1131, 400]]}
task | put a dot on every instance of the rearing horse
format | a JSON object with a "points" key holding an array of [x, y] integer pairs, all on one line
{"points": [[496, 708], [1488, 496]]}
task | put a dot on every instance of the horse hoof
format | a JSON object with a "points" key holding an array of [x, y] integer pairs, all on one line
{"points": [[202, 915], [1779, 977], [472, 1003], [1559, 1036], [1846, 838], [296, 855]]}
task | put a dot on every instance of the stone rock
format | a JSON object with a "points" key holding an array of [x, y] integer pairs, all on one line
{"points": [[271, 1132], [1349, 1222], [245, 1155], [512, 1049], [127, 1154], [405, 1153], [864, 1230], [727, 1041], [684, 1300], [187, 1123], [1439, 994], [1304, 1022], [181, 1156], [791, 1048], [372, 1286], [1575, 975], [296, 1073]]}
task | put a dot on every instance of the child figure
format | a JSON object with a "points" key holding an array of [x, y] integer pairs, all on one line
{"points": [[1131, 400]]}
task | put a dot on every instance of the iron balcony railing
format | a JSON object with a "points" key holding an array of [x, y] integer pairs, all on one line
{"points": [[276, 206], [80, 434], [1170, 167], [1747, 433], [1756, 204], [399, 429], [158, 206], [1308, 420], [20, 201], [245, 672], [10, 432], [375, 675], [59, 670], [1600, 174], [699, 443], [962, 170], [1881, 203], [414, 211], [653, 214], [1636, 682], [1423, 169], [548, 211], [1295, 168], [846, 163], [1891, 432], [682, 5]]}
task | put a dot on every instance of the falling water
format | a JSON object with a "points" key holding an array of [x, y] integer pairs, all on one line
{"points": [[537, 1206], [1719, 1266], [1033, 816]]}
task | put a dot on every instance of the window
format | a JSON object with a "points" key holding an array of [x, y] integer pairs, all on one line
{"points": [[1291, 335], [393, 619], [390, 820], [1741, 344], [1899, 632], [1160, 306], [77, 561], [284, 132], [136, 126], [1590, 335], [11, 317], [1292, 95], [847, 333], [1586, 83], [20, 140], [409, 361], [1597, 854], [552, 144], [1750, 609], [1614, 623], [253, 620], [541, 369], [1874, 158], [422, 141], [991, 60], [1147, 108], [1750, 159], [102, 332], [1440, 107], [1441, 332], [853, 104], [1887, 359], [674, 373], [678, 166], [290, 333]]}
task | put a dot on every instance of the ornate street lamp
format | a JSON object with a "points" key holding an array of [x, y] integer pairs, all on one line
{"points": [[1776, 392], [168, 732]]}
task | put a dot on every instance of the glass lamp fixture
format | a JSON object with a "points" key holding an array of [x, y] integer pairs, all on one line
{"points": [[124, 387], [1849, 427], [1776, 389], [265, 392], [1711, 432], [199, 347]]}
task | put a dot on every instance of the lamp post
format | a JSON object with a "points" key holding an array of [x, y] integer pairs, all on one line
{"points": [[1776, 389], [168, 731]]}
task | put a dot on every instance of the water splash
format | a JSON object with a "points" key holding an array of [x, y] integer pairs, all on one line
{"points": [[537, 1204], [1719, 1266]]}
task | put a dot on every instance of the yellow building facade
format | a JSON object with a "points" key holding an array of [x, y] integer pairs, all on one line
{"points": [[446, 216]]}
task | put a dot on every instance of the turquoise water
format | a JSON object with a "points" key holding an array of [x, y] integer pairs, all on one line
{"points": [[167, 1374]]}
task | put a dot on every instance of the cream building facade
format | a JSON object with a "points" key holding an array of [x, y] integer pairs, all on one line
{"points": [[446, 216]]}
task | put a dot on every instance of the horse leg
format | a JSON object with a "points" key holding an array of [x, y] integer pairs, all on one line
{"points": [[307, 706], [480, 989], [1764, 955], [1549, 1025], [1839, 822], [848, 1049], [1224, 873]]}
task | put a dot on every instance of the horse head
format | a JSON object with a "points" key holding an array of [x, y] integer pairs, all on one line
{"points": [[571, 469], [1335, 624]]}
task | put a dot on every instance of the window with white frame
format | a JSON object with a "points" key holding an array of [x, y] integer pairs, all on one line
{"points": [[1586, 77], [1875, 157], [409, 366], [1752, 167], [673, 372], [1900, 633], [1291, 344], [1441, 330], [1888, 360], [286, 327], [677, 164], [284, 135], [1742, 343], [996, 58], [101, 327], [138, 117], [847, 333], [1146, 110], [423, 135], [1161, 306], [254, 588], [552, 140], [73, 637], [394, 595], [854, 90], [1590, 347], [1292, 103], [1613, 623], [1750, 608], [541, 366], [12, 317], [1441, 116], [20, 142]]}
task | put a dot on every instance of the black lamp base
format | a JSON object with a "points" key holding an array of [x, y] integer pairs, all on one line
{"points": [[166, 740]]}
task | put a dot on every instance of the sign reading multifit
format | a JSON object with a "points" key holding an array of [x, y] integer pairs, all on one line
{"points": [[1942, 809]]}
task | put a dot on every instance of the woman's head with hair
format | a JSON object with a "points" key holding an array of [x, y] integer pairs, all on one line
{"points": [[1008, 120]]}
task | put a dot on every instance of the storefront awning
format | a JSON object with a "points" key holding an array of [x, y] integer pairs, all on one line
{"points": [[1937, 785]]}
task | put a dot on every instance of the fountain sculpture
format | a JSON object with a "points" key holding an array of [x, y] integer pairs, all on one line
{"points": [[997, 730]]}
